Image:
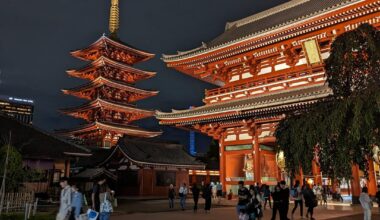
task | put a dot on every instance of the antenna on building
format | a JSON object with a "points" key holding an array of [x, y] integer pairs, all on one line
{"points": [[114, 18]]}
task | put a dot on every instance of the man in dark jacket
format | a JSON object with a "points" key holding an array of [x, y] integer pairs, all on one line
{"points": [[284, 196]]}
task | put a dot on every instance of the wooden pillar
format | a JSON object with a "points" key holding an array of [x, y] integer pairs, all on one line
{"points": [[222, 168], [372, 186], [316, 173], [256, 151], [299, 176], [355, 184], [67, 167], [193, 177]]}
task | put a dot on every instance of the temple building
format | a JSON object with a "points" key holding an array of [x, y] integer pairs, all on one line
{"points": [[266, 65], [111, 94], [133, 160]]}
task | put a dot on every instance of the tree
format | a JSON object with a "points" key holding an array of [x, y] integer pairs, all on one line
{"points": [[342, 129], [15, 172]]}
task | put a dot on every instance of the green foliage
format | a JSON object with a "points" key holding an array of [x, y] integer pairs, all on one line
{"points": [[15, 172], [344, 126]]}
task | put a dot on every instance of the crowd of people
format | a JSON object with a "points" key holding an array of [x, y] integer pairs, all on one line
{"points": [[206, 191], [72, 201], [252, 200]]}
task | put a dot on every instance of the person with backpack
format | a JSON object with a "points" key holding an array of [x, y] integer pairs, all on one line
{"points": [[296, 193], [182, 193]]}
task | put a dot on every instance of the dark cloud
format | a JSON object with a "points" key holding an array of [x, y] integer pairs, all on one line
{"points": [[37, 35]]}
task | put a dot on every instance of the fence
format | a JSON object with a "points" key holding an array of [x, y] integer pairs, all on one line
{"points": [[20, 202]]}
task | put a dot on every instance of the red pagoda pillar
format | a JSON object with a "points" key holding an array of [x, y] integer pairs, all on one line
{"points": [[371, 184], [256, 151], [316, 173], [222, 169]]}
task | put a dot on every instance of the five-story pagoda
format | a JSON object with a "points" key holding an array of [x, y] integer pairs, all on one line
{"points": [[110, 91]]}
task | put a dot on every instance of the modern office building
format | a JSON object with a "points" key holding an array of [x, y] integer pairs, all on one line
{"points": [[18, 108]]}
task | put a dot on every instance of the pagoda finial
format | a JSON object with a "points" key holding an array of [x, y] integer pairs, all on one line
{"points": [[114, 17]]}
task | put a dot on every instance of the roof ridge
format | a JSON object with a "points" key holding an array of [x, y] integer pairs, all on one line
{"points": [[265, 13]]}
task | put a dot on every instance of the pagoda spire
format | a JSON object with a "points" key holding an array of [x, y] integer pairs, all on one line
{"points": [[114, 17]]}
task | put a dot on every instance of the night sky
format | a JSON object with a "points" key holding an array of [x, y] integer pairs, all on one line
{"points": [[36, 37]]}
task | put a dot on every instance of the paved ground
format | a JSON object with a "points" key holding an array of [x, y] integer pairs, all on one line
{"points": [[157, 210]]}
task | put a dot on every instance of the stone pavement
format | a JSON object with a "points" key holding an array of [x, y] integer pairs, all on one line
{"points": [[157, 210]]}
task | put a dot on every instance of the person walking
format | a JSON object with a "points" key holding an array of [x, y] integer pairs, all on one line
{"points": [[284, 197], [276, 201], [254, 208], [182, 193], [378, 197], [171, 196], [310, 201], [95, 193], [219, 191], [243, 198], [76, 202], [366, 203], [266, 196], [195, 190], [297, 196], [207, 194], [65, 200], [106, 197]]}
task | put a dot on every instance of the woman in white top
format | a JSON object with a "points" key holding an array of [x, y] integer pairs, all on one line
{"points": [[366, 203]]}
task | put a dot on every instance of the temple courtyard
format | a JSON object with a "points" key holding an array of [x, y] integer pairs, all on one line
{"points": [[157, 209]]}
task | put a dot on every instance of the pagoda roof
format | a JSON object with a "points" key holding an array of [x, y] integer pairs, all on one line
{"points": [[99, 102], [104, 61], [155, 153], [100, 81], [103, 41], [264, 22], [110, 126], [258, 105]]}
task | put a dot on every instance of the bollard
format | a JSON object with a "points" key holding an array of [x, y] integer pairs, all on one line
{"points": [[8, 203], [35, 207], [30, 210], [26, 211]]}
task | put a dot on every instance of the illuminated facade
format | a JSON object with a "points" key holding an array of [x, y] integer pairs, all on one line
{"points": [[267, 65], [110, 109], [18, 108]]}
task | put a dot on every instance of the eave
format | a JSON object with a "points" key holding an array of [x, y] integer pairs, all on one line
{"points": [[101, 103], [255, 106], [103, 41], [100, 81], [105, 61], [202, 51], [112, 127]]}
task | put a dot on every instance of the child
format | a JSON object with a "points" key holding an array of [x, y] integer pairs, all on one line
{"points": [[76, 202]]}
